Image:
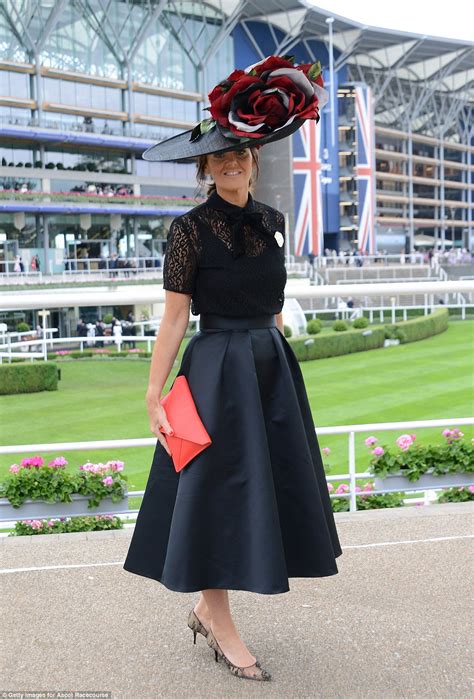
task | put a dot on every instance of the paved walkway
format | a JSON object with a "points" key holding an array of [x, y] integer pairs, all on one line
{"points": [[394, 623]]}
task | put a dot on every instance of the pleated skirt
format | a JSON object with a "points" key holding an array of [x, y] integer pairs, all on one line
{"points": [[252, 510]]}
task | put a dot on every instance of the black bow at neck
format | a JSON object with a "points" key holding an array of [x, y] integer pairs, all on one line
{"points": [[238, 217]]}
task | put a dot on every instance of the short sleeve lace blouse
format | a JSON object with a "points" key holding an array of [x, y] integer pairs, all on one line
{"points": [[228, 258]]}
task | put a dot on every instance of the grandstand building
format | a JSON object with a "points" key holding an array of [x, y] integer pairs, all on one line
{"points": [[87, 85]]}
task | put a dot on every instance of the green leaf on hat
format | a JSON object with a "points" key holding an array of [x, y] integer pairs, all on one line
{"points": [[207, 125], [203, 127], [195, 133], [314, 71], [289, 57], [252, 72]]}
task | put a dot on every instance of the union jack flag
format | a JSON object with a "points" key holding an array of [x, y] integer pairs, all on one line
{"points": [[365, 167], [308, 192]]}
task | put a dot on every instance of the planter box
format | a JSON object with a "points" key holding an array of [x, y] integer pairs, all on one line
{"points": [[396, 481], [39, 509]]}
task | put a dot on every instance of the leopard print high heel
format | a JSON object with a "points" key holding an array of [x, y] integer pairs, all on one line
{"points": [[261, 674], [195, 625]]}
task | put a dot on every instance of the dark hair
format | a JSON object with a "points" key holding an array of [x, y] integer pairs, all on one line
{"points": [[201, 175]]}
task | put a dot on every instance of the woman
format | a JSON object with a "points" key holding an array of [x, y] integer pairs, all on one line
{"points": [[252, 509]]}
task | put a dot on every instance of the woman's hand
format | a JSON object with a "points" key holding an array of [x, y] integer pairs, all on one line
{"points": [[158, 418]]}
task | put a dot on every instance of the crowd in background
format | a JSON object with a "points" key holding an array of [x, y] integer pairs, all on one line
{"points": [[116, 328], [452, 256]]}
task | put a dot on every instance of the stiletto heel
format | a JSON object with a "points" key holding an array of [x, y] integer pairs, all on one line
{"points": [[262, 675], [195, 625]]}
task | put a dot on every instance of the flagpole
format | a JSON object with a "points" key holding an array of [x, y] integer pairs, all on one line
{"points": [[329, 22]]}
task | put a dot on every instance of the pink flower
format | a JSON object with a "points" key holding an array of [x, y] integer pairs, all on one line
{"points": [[326, 450], [378, 451], [358, 489], [470, 488], [35, 461], [88, 466], [453, 434], [14, 468], [413, 436], [330, 487], [36, 524], [115, 465], [370, 440], [368, 486], [58, 462], [404, 441], [343, 488], [51, 523], [108, 480]]}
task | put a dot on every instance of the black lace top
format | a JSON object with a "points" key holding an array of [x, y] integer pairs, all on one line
{"points": [[228, 258]]}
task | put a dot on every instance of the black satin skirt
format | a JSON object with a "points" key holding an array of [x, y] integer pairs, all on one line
{"points": [[251, 510]]}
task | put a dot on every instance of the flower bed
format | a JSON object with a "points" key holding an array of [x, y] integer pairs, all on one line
{"points": [[40, 489], [366, 500], [81, 197], [63, 525], [462, 494], [100, 352], [422, 466]]}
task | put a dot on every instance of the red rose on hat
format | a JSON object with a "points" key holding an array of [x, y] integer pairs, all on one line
{"points": [[267, 96]]}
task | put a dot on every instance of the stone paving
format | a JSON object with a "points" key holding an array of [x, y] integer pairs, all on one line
{"points": [[396, 622]]}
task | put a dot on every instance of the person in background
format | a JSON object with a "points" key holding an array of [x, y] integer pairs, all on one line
{"points": [[117, 330], [132, 328], [100, 331], [81, 328]]}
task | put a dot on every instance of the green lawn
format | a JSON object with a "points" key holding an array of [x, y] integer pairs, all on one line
{"points": [[433, 378]]}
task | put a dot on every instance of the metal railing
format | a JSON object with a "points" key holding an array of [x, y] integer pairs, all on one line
{"points": [[351, 476], [125, 265]]}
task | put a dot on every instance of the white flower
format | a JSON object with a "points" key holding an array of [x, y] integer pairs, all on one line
{"points": [[279, 238]]}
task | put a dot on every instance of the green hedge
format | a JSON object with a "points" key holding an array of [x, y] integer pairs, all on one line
{"points": [[426, 326], [333, 344], [28, 377]]}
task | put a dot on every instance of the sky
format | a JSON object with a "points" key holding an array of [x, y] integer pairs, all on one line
{"points": [[452, 20]]}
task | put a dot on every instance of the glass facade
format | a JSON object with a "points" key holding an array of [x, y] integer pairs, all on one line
{"points": [[132, 72], [105, 84]]}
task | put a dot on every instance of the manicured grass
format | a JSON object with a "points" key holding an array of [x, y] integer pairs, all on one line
{"points": [[104, 399]]}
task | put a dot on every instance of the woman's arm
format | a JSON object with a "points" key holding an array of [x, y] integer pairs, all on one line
{"points": [[168, 340]]}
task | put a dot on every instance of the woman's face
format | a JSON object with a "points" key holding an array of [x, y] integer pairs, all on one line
{"points": [[230, 170]]}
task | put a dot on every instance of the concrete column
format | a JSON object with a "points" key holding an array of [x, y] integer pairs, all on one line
{"points": [[275, 181], [46, 264]]}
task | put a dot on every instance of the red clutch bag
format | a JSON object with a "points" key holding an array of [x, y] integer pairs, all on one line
{"points": [[190, 436]]}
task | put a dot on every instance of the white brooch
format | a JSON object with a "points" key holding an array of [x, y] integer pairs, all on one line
{"points": [[279, 238]]}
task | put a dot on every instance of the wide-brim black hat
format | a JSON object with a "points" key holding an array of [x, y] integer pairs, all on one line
{"points": [[272, 98], [180, 148]]}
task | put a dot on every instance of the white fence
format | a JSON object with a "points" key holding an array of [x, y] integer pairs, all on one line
{"points": [[38, 348], [349, 430]]}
